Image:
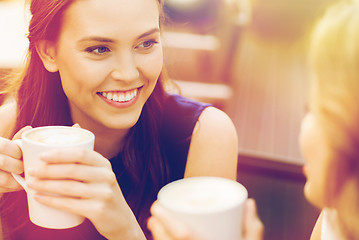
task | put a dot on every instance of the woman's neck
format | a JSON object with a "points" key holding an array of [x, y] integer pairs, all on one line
{"points": [[108, 142], [347, 206]]}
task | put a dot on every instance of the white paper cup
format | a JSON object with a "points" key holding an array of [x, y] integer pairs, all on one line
{"points": [[211, 207], [39, 140]]}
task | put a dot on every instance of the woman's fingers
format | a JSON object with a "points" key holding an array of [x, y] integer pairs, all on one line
{"points": [[76, 125], [72, 189], [8, 183], [75, 155], [166, 226], [93, 201], [10, 162], [158, 230], [253, 228], [9, 148], [20, 132], [11, 165], [10, 155], [78, 172], [88, 208]]}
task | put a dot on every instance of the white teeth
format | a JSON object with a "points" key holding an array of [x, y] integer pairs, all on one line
{"points": [[109, 96], [120, 96], [128, 96]]}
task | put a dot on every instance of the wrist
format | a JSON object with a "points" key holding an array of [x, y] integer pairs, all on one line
{"points": [[131, 233]]}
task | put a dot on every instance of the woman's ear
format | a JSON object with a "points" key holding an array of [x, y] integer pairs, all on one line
{"points": [[47, 52]]}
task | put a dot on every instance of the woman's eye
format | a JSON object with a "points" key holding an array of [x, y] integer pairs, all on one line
{"points": [[98, 50], [147, 44]]}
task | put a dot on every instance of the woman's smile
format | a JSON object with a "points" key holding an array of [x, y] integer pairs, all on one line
{"points": [[120, 99]]}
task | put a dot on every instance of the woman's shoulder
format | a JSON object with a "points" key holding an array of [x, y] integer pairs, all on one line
{"points": [[180, 114], [187, 115], [214, 146], [8, 117], [215, 128], [178, 103]]}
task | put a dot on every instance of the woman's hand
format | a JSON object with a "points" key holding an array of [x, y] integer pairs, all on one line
{"points": [[253, 228], [86, 186], [164, 227], [10, 162]]}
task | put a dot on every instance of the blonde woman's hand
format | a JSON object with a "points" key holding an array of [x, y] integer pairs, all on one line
{"points": [[165, 227], [10, 162], [83, 183], [253, 228]]}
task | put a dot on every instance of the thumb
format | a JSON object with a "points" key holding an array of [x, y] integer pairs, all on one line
{"points": [[253, 228], [20, 132], [76, 125]]}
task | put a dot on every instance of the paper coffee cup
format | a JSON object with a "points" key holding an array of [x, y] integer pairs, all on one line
{"points": [[211, 207]]}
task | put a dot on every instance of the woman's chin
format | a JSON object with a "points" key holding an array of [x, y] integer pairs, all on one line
{"points": [[313, 197]]}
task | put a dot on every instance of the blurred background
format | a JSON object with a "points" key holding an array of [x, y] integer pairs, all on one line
{"points": [[248, 58]]}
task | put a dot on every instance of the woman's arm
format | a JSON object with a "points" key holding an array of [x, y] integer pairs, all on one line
{"points": [[214, 146]]}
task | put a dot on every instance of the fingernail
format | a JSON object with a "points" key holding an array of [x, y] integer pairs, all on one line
{"points": [[39, 197], [44, 156], [156, 209], [30, 183], [32, 171]]}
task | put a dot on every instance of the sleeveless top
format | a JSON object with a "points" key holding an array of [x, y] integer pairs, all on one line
{"points": [[330, 226], [179, 118]]}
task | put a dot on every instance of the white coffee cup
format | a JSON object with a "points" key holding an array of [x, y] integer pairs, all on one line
{"points": [[211, 207], [33, 143]]}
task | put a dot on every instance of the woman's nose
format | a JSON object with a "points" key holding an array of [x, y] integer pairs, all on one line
{"points": [[125, 68]]}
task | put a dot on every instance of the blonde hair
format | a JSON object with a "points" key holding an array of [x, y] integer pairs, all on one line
{"points": [[334, 98]]}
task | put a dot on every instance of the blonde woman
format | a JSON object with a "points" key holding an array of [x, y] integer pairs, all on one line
{"points": [[330, 131]]}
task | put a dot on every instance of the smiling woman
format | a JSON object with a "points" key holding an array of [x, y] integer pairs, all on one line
{"points": [[100, 64]]}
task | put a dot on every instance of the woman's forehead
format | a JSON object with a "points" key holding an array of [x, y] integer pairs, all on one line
{"points": [[106, 16]]}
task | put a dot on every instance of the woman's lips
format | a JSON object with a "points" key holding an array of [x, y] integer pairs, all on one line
{"points": [[305, 170], [120, 96], [120, 99]]}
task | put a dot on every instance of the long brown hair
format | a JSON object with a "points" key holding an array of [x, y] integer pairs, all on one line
{"points": [[42, 101]]}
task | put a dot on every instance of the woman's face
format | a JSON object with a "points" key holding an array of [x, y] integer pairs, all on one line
{"points": [[109, 57], [315, 152]]}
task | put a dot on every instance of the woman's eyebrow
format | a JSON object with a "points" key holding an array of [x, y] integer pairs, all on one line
{"points": [[107, 40], [97, 39], [153, 30]]}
